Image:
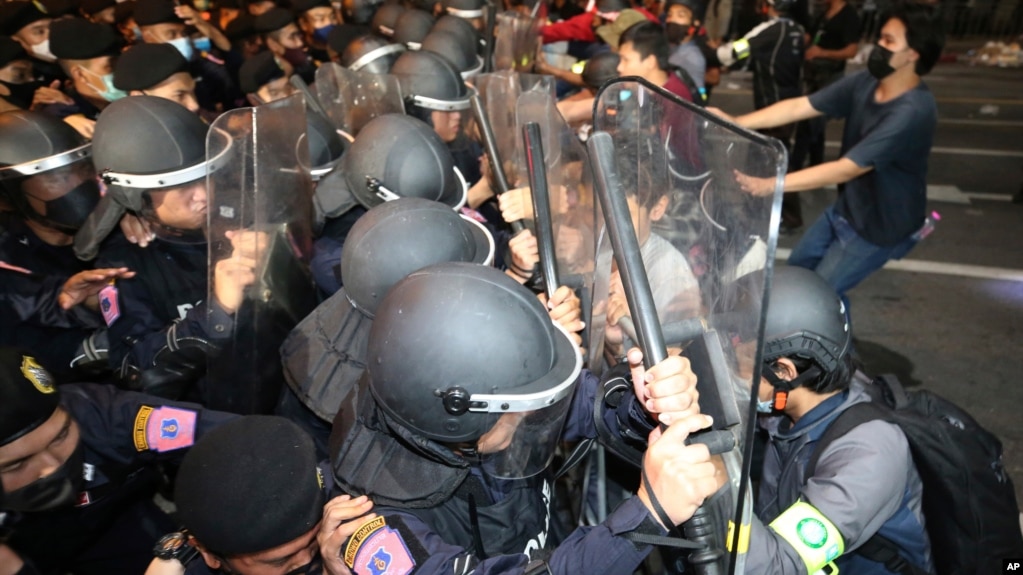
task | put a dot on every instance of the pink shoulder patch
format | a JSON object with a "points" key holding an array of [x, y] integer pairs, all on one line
{"points": [[170, 428], [108, 304], [384, 553]]}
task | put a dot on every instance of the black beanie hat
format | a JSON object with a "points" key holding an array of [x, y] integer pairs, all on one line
{"points": [[250, 485], [151, 12], [28, 394]]}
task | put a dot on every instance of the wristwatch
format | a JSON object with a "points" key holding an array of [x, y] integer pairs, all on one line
{"points": [[174, 546]]}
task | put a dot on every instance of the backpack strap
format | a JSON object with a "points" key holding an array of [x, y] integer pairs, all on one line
{"points": [[878, 548], [893, 388]]}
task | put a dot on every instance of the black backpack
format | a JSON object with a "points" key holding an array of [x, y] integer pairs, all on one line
{"points": [[969, 503]]}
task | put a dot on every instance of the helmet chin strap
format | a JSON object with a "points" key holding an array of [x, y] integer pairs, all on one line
{"points": [[782, 387]]}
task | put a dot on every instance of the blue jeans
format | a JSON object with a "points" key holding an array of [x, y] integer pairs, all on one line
{"points": [[833, 249]]}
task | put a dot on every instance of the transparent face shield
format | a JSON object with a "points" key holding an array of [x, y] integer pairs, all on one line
{"points": [[352, 99], [526, 425]]}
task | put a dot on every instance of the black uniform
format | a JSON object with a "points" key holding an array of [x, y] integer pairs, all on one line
{"points": [[79, 106], [161, 311], [775, 52], [115, 524], [33, 320]]}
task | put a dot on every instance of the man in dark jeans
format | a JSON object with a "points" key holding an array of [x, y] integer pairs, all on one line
{"points": [[834, 38]]}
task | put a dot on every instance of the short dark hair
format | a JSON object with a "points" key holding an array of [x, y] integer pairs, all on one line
{"points": [[837, 379], [924, 32], [647, 38]]}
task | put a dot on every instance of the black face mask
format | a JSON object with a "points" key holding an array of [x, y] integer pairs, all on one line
{"points": [[676, 33], [69, 212], [21, 94], [878, 64], [57, 489]]}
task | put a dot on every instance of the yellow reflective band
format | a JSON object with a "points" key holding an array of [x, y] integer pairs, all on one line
{"points": [[743, 537], [814, 537], [740, 48], [579, 67]]}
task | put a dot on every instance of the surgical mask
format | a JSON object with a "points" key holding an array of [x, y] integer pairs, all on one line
{"points": [[184, 45], [57, 489], [21, 94], [676, 33], [202, 44], [42, 51], [69, 212], [765, 406], [137, 32], [879, 62], [320, 34], [108, 92]]}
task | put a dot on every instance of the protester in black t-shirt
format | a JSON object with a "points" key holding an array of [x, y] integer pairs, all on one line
{"points": [[890, 120]]}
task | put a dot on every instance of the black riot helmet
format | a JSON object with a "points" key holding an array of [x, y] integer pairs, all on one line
{"points": [[805, 319], [371, 53], [386, 19], [454, 50], [412, 27], [782, 6], [461, 352], [326, 144], [147, 144], [359, 11], [325, 355], [397, 238], [399, 156], [46, 160], [467, 35], [430, 81], [466, 9]]}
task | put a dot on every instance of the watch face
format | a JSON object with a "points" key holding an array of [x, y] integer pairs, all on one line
{"points": [[172, 542]]}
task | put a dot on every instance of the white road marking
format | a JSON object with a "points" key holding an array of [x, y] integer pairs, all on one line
{"points": [[940, 268]]}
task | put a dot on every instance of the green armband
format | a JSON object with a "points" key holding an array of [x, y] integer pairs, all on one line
{"points": [[740, 48], [814, 537]]}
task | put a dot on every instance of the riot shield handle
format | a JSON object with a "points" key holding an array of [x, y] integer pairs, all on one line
{"points": [[700, 527], [488, 48], [541, 207], [626, 249], [493, 155], [310, 99]]}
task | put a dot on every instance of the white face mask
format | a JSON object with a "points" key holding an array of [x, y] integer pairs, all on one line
{"points": [[765, 406], [42, 51]]}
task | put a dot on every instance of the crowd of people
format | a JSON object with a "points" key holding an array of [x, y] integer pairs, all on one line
{"points": [[273, 299]]}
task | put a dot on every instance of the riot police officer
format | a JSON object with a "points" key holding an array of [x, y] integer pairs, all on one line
{"points": [[483, 402], [77, 469], [47, 177], [152, 154], [325, 355]]}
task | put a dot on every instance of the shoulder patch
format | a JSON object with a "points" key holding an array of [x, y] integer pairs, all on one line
{"points": [[139, 429], [37, 374], [170, 428], [108, 304], [376, 549]]}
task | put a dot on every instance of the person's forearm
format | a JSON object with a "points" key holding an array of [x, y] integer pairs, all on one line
{"points": [[565, 75], [843, 54], [821, 175], [779, 114], [219, 39]]}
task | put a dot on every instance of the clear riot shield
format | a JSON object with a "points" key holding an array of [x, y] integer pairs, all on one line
{"points": [[260, 210], [352, 99], [570, 186], [515, 41], [707, 249], [500, 92]]}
